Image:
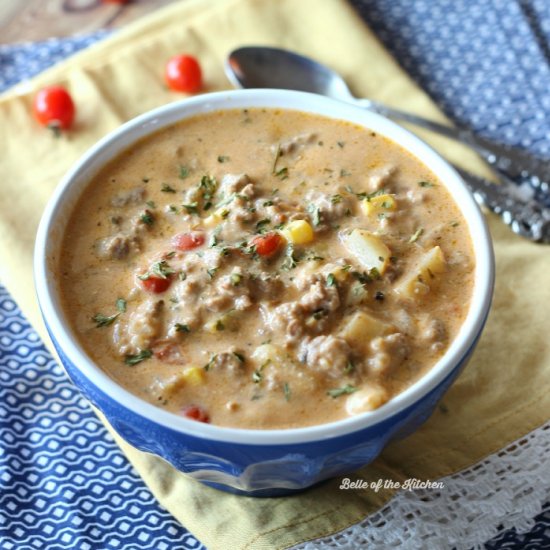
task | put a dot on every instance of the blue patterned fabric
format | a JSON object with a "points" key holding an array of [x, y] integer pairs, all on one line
{"points": [[487, 63]]}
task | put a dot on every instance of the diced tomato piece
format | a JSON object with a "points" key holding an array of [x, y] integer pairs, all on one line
{"points": [[194, 412], [188, 241], [266, 245], [156, 284]]}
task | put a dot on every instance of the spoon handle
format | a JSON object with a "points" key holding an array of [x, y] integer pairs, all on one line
{"points": [[525, 217], [515, 163]]}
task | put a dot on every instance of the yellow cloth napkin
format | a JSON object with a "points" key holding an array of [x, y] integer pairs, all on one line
{"points": [[502, 394]]}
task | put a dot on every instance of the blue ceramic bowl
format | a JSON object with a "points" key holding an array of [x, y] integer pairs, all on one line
{"points": [[255, 462]]}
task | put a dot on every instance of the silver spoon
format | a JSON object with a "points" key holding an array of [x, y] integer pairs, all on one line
{"points": [[265, 67]]}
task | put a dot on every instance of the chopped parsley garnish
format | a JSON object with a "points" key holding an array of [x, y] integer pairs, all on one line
{"points": [[315, 214], [104, 321], [425, 184], [160, 269], [169, 255], [167, 188], [286, 391], [147, 218], [335, 199], [290, 260], [138, 357], [211, 362], [374, 273], [337, 392], [184, 172], [350, 367], [344, 173], [173, 208], [219, 326], [239, 356], [214, 238], [192, 208], [282, 173], [182, 328], [277, 155], [417, 234], [261, 226], [211, 272], [257, 376], [151, 204], [331, 279], [182, 275], [121, 305], [208, 187], [268, 203], [223, 158]]}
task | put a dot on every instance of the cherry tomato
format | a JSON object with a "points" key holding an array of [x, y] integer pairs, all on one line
{"points": [[156, 284], [188, 241], [194, 412], [183, 74], [54, 107], [266, 245]]}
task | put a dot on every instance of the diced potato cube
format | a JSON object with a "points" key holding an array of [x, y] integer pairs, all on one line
{"points": [[298, 232], [193, 375], [369, 249], [366, 399], [361, 328], [424, 275], [267, 353], [378, 204]]}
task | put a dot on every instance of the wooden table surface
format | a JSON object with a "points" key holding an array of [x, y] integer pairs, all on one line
{"points": [[31, 20]]}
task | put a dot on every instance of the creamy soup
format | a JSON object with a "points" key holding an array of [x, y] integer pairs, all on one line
{"points": [[266, 269]]}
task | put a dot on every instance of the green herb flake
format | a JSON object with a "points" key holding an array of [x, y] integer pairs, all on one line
{"points": [[331, 279], [337, 392], [261, 226], [173, 208], [315, 214], [268, 203], [151, 204], [101, 320], [290, 260], [192, 208], [223, 158], [282, 173], [239, 356], [138, 357], [277, 155], [219, 326], [417, 234], [349, 368], [210, 363], [257, 376], [425, 184], [182, 328], [121, 305], [211, 272], [335, 199], [455, 224], [147, 218], [167, 188], [341, 144], [182, 275], [160, 269], [286, 391], [183, 172], [344, 173]]}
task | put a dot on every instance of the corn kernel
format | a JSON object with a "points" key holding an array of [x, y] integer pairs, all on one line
{"points": [[378, 204], [298, 232], [193, 376]]}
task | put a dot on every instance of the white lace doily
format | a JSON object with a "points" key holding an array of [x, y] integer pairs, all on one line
{"points": [[505, 490]]}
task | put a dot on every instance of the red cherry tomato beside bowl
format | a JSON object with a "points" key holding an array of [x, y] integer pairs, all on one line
{"points": [[183, 74], [54, 107]]}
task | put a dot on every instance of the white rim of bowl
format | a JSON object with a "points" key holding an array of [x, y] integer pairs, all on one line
{"points": [[166, 115]]}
